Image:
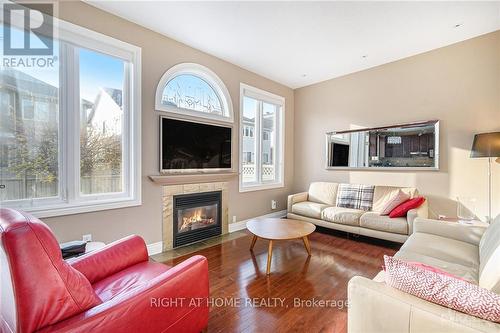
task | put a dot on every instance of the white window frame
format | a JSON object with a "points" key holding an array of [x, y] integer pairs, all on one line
{"points": [[206, 75], [264, 96], [70, 200]]}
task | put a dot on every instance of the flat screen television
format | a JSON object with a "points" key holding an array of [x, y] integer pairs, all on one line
{"points": [[189, 146]]}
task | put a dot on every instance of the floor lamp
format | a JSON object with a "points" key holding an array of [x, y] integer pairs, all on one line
{"points": [[486, 145]]}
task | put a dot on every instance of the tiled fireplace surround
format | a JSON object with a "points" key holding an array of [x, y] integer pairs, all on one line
{"points": [[169, 191]]}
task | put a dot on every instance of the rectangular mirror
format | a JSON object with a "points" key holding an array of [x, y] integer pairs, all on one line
{"points": [[408, 147]]}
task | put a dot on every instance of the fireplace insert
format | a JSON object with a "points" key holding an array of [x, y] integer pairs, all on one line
{"points": [[196, 216]]}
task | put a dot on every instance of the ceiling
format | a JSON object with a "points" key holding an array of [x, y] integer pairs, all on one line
{"points": [[301, 43]]}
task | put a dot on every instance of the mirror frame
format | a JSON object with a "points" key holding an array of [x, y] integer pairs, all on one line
{"points": [[404, 125]]}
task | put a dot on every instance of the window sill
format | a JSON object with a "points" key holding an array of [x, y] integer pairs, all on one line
{"points": [[62, 210], [261, 187]]}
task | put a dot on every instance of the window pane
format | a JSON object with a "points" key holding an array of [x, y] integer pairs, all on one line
{"points": [[29, 130], [28, 108], [101, 127], [191, 92], [250, 112], [269, 120]]}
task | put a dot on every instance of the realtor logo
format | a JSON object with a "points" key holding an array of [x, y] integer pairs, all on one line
{"points": [[35, 22]]}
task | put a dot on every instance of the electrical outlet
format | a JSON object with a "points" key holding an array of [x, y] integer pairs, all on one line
{"points": [[274, 204], [234, 218], [87, 238]]}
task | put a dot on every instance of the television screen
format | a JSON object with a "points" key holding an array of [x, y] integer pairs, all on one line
{"points": [[188, 145]]}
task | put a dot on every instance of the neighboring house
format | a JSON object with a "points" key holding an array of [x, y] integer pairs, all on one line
{"points": [[249, 134], [28, 106], [106, 113]]}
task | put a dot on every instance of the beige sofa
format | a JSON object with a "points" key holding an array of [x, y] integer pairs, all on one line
{"points": [[318, 206], [471, 252]]}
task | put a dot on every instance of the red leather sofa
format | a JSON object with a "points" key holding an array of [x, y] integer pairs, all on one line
{"points": [[115, 289]]}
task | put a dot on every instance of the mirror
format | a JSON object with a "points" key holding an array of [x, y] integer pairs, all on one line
{"points": [[408, 146]]}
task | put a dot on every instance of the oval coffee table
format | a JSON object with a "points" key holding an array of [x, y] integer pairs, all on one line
{"points": [[279, 229]]}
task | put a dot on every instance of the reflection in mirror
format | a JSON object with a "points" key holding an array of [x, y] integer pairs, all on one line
{"points": [[400, 146]]}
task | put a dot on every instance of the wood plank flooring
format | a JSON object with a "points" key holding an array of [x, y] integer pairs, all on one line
{"points": [[284, 301]]}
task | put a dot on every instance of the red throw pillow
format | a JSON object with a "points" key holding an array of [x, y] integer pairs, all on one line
{"points": [[402, 209], [441, 289]]}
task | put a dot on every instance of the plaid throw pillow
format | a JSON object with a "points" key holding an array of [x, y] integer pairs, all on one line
{"points": [[355, 196]]}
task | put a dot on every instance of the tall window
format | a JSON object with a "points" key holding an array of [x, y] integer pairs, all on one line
{"points": [[72, 131], [262, 112], [193, 90]]}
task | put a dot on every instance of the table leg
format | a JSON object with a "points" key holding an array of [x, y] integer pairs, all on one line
{"points": [[269, 256], [254, 239], [307, 245]]}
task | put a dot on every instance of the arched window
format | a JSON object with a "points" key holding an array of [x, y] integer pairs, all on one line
{"points": [[194, 90]]}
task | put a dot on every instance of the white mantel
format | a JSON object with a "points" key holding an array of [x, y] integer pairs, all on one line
{"points": [[181, 179]]}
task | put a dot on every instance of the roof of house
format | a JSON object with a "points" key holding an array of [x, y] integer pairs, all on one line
{"points": [[268, 122], [23, 82]]}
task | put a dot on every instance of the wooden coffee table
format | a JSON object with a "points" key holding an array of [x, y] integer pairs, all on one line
{"points": [[279, 229]]}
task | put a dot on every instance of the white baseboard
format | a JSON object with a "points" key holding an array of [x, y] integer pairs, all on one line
{"points": [[155, 248], [241, 225]]}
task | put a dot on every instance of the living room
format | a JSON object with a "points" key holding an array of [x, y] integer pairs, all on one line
{"points": [[245, 173]]}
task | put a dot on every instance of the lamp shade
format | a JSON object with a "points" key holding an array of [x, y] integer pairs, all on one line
{"points": [[486, 145]]}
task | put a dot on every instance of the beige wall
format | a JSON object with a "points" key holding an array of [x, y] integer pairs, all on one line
{"points": [[458, 85], [159, 53]]}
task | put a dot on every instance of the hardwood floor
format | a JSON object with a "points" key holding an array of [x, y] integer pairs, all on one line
{"points": [[238, 275]]}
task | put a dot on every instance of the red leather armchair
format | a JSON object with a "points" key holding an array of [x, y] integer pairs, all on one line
{"points": [[115, 289]]}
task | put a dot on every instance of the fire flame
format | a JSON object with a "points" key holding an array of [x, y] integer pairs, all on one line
{"points": [[196, 217]]}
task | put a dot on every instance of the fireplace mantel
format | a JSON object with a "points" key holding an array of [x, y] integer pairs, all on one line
{"points": [[179, 179]]}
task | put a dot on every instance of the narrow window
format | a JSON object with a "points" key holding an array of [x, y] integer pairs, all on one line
{"points": [[262, 115]]}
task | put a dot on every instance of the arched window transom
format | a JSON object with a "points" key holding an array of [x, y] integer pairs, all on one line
{"points": [[194, 90]]}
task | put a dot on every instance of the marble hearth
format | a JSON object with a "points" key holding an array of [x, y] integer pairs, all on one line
{"points": [[169, 191]]}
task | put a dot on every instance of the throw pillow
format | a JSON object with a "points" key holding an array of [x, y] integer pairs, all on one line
{"points": [[402, 209], [435, 270], [355, 196], [395, 201], [444, 290]]}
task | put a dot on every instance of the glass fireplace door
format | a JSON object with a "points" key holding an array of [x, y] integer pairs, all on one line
{"points": [[197, 218]]}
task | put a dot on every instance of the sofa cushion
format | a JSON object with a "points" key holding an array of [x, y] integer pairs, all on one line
{"points": [[469, 273], [375, 221], [443, 248], [323, 192], [489, 258], [441, 289], [403, 209], [355, 196], [309, 209], [383, 194], [342, 215], [395, 201]]}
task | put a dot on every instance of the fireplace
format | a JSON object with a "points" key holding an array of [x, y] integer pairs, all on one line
{"points": [[196, 216]]}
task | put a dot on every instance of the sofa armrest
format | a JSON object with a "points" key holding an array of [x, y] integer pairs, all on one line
{"points": [[112, 258], [294, 198], [422, 212], [376, 307], [175, 301], [465, 233]]}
